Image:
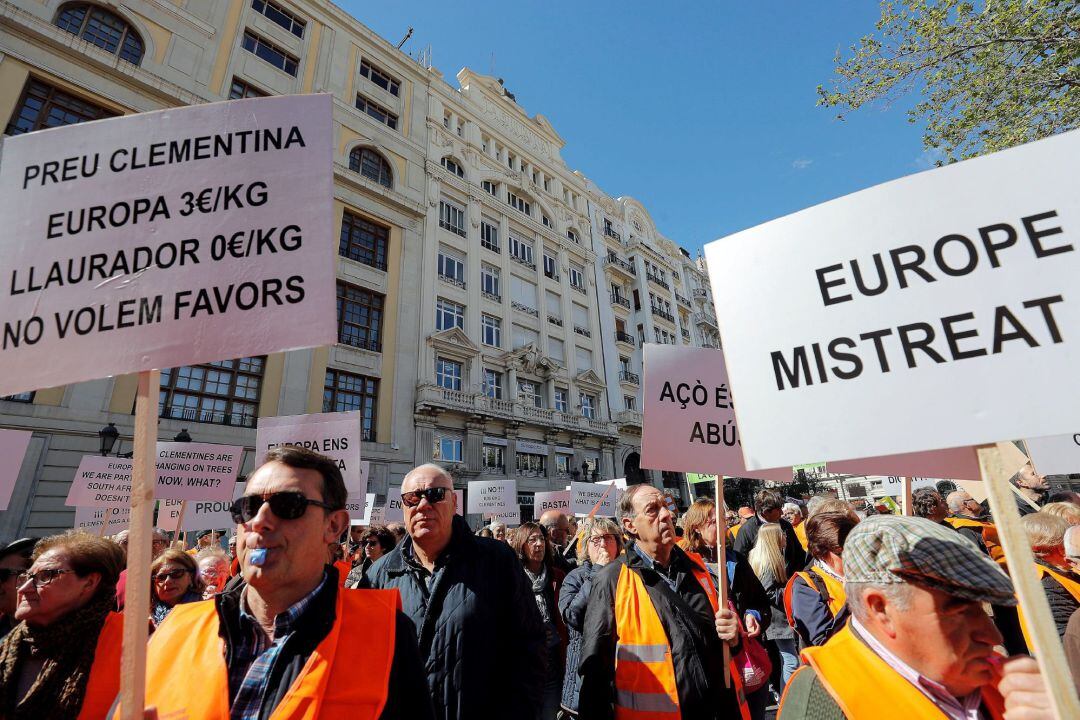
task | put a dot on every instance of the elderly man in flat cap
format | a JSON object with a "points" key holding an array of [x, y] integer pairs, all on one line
{"points": [[919, 644]]}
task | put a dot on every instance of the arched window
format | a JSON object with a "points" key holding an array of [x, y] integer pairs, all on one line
{"points": [[371, 165], [102, 28], [453, 166]]}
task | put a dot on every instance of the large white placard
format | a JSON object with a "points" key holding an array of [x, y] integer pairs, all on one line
{"points": [[1056, 455], [585, 496], [889, 321], [360, 509], [91, 519], [13, 444], [492, 497], [211, 514], [393, 511], [335, 435], [166, 238]]}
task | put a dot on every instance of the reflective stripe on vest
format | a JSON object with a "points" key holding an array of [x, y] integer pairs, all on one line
{"points": [[329, 685], [864, 686], [103, 685]]}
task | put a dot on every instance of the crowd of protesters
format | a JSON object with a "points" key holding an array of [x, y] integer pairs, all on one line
{"points": [[830, 612]]}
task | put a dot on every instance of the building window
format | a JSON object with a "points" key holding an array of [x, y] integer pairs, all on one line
{"points": [[551, 266], [225, 392], [241, 89], [489, 187], [545, 220], [451, 267], [360, 314], [279, 15], [489, 235], [588, 406], [453, 166], [371, 165], [494, 458], [447, 374], [630, 402], [560, 399], [376, 111], [448, 449], [346, 392], [44, 106], [269, 52], [490, 284], [98, 26], [518, 203], [572, 235], [380, 77], [562, 463], [529, 464], [363, 241], [449, 315], [520, 250], [452, 217], [577, 277], [493, 384], [26, 397], [491, 330], [529, 393]]}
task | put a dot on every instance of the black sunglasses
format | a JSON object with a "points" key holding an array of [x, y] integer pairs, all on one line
{"points": [[287, 505], [433, 495]]}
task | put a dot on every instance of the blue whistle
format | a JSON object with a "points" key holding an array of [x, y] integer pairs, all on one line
{"points": [[257, 557]]}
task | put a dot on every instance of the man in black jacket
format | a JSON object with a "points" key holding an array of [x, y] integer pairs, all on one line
{"points": [[692, 633], [475, 617], [769, 505]]}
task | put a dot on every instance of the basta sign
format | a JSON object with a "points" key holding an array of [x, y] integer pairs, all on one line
{"points": [[909, 316]]}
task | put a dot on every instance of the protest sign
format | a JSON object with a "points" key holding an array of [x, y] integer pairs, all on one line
{"points": [[695, 478], [956, 463], [169, 514], [554, 500], [91, 519], [902, 307], [13, 444], [1055, 455], [689, 423], [335, 435], [211, 514], [102, 482], [618, 482], [360, 509], [460, 509], [393, 511], [378, 516], [510, 519], [490, 497], [585, 496]]}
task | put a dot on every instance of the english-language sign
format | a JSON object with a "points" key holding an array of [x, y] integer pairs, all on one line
{"points": [[492, 497], [910, 316], [167, 238], [584, 497]]}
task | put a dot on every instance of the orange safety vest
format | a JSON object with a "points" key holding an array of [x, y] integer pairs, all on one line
{"points": [[645, 687], [800, 532], [343, 569], [734, 529], [1071, 585], [834, 596], [988, 531], [329, 686], [103, 685], [864, 686]]}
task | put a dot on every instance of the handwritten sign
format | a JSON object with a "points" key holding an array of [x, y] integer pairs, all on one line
{"points": [[90, 519], [585, 496], [492, 497], [166, 238], [13, 444], [903, 306], [335, 435]]}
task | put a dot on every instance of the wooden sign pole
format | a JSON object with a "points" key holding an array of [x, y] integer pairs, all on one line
{"points": [[905, 505], [105, 522], [721, 565], [137, 598], [1040, 624]]}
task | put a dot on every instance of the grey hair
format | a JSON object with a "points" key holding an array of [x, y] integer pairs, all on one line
{"points": [[956, 500], [1072, 541], [813, 503], [898, 594], [429, 467], [791, 507], [626, 502], [496, 524]]}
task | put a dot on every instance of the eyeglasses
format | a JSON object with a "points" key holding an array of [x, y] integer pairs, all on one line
{"points": [[287, 505], [433, 495], [41, 578], [170, 575], [598, 540]]}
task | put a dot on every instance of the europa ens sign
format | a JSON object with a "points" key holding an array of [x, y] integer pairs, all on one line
{"points": [[167, 238]]}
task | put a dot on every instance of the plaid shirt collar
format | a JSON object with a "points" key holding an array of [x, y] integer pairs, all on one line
{"points": [[284, 622]]}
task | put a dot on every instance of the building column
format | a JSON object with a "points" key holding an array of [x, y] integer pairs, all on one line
{"points": [[511, 449], [551, 438], [425, 437], [512, 386], [607, 459], [474, 445]]}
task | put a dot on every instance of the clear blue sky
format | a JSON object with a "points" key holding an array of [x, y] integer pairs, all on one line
{"points": [[705, 111]]}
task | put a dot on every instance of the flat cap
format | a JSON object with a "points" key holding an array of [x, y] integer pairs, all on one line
{"points": [[204, 533], [895, 549]]}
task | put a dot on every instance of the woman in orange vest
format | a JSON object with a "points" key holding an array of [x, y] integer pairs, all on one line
{"points": [[1046, 533], [62, 661], [814, 599]]}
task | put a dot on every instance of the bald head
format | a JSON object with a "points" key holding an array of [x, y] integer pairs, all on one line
{"points": [[960, 502], [427, 475], [557, 525]]}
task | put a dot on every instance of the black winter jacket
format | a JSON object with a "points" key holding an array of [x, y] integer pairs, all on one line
{"points": [[794, 555], [403, 702], [479, 630], [687, 616], [573, 600]]}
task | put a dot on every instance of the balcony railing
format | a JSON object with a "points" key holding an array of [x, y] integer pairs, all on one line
{"points": [[628, 417], [212, 417], [524, 308], [452, 280], [622, 337], [584, 332], [360, 342], [523, 261], [658, 280], [686, 335], [615, 260], [701, 293], [491, 296], [705, 318], [610, 232], [661, 313], [679, 298], [552, 275], [478, 404], [555, 320], [620, 300], [629, 377], [580, 288]]}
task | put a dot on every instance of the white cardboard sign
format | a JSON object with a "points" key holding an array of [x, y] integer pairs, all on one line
{"points": [[509, 519], [211, 514], [585, 496], [13, 444], [393, 511], [166, 238], [335, 435], [492, 497], [554, 500], [360, 509], [91, 519], [1056, 455], [899, 309]]}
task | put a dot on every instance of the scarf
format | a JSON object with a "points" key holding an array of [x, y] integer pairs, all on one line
{"points": [[539, 585], [67, 646]]}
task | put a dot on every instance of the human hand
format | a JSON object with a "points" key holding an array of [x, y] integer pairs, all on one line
{"points": [[753, 627], [727, 626], [1024, 691]]}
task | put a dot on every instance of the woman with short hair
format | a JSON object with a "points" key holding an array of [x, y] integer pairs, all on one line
{"points": [[62, 660], [1046, 535], [174, 580], [375, 541]]}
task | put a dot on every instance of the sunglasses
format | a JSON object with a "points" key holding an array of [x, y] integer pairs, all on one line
{"points": [[287, 505], [433, 495], [171, 575], [370, 543]]}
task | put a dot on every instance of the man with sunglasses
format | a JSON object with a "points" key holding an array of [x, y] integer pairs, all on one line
{"points": [[473, 610], [287, 641], [14, 559]]}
